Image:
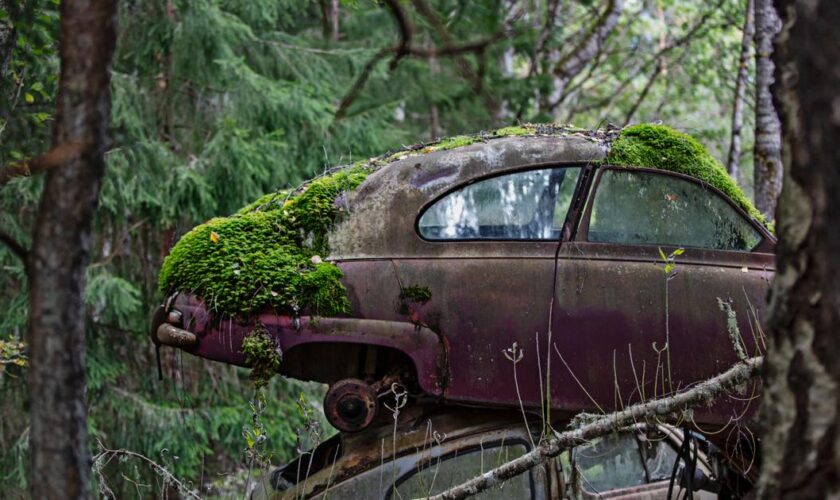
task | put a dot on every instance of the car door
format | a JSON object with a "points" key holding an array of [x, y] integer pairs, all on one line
{"points": [[487, 257], [639, 288]]}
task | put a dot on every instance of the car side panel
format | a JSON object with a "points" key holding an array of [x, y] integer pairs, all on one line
{"points": [[614, 300], [480, 305]]}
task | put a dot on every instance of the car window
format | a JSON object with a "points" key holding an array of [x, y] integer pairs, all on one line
{"points": [[607, 463], [529, 205], [441, 474], [658, 455], [649, 208]]}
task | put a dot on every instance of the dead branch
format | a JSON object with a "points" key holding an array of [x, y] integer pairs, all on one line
{"points": [[53, 158], [403, 49], [406, 31], [104, 457], [590, 44], [702, 393]]}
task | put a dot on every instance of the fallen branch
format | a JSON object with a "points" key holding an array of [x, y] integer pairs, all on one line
{"points": [[702, 393], [53, 158]]}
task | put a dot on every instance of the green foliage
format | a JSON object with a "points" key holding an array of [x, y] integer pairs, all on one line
{"points": [[215, 102], [659, 146], [416, 293], [261, 354], [269, 256]]}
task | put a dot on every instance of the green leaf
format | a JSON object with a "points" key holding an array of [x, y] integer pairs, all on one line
{"points": [[678, 252], [29, 98], [662, 254]]}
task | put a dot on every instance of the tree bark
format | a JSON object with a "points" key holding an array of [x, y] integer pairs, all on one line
{"points": [[801, 443], [59, 458], [767, 164], [734, 158], [8, 36]]}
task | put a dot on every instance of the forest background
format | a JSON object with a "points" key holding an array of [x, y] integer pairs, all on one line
{"points": [[215, 102]]}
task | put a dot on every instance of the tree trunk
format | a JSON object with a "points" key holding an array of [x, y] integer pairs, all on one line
{"points": [[7, 36], [801, 444], [59, 459], [734, 158], [767, 164]]}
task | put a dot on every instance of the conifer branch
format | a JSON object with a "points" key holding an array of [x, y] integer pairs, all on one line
{"points": [[19, 250]]}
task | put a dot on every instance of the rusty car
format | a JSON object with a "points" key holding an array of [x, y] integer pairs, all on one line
{"points": [[513, 270], [431, 450]]}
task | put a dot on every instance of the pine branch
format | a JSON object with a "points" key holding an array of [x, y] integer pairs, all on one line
{"points": [[19, 250], [702, 393]]}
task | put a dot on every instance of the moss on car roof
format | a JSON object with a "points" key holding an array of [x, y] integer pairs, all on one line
{"points": [[269, 255], [659, 146]]}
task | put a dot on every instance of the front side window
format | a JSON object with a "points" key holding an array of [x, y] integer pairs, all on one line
{"points": [[529, 205], [441, 474], [650, 208]]}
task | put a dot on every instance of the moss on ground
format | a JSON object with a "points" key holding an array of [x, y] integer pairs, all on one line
{"points": [[268, 254], [659, 146]]}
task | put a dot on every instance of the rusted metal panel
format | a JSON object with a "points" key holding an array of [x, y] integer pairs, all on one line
{"points": [[487, 296], [221, 339]]}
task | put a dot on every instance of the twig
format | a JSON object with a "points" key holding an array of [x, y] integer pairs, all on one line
{"points": [[104, 457], [702, 393]]}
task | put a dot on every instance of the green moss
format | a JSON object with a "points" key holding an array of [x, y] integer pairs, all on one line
{"points": [[458, 141], [416, 293], [658, 146], [261, 355], [515, 131], [267, 255]]}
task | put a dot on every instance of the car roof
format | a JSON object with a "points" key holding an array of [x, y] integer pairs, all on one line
{"points": [[382, 209]]}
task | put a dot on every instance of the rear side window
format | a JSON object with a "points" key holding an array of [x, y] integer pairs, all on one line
{"points": [[530, 205], [650, 208]]}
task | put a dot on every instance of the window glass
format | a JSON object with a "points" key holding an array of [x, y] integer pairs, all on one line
{"points": [[648, 208], [608, 463], [659, 456], [442, 474], [530, 205]]}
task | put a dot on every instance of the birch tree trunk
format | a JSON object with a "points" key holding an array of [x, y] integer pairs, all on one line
{"points": [[59, 459], [801, 444], [767, 165], [734, 158]]}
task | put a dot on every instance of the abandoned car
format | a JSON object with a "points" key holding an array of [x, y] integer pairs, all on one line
{"points": [[431, 451], [533, 266]]}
